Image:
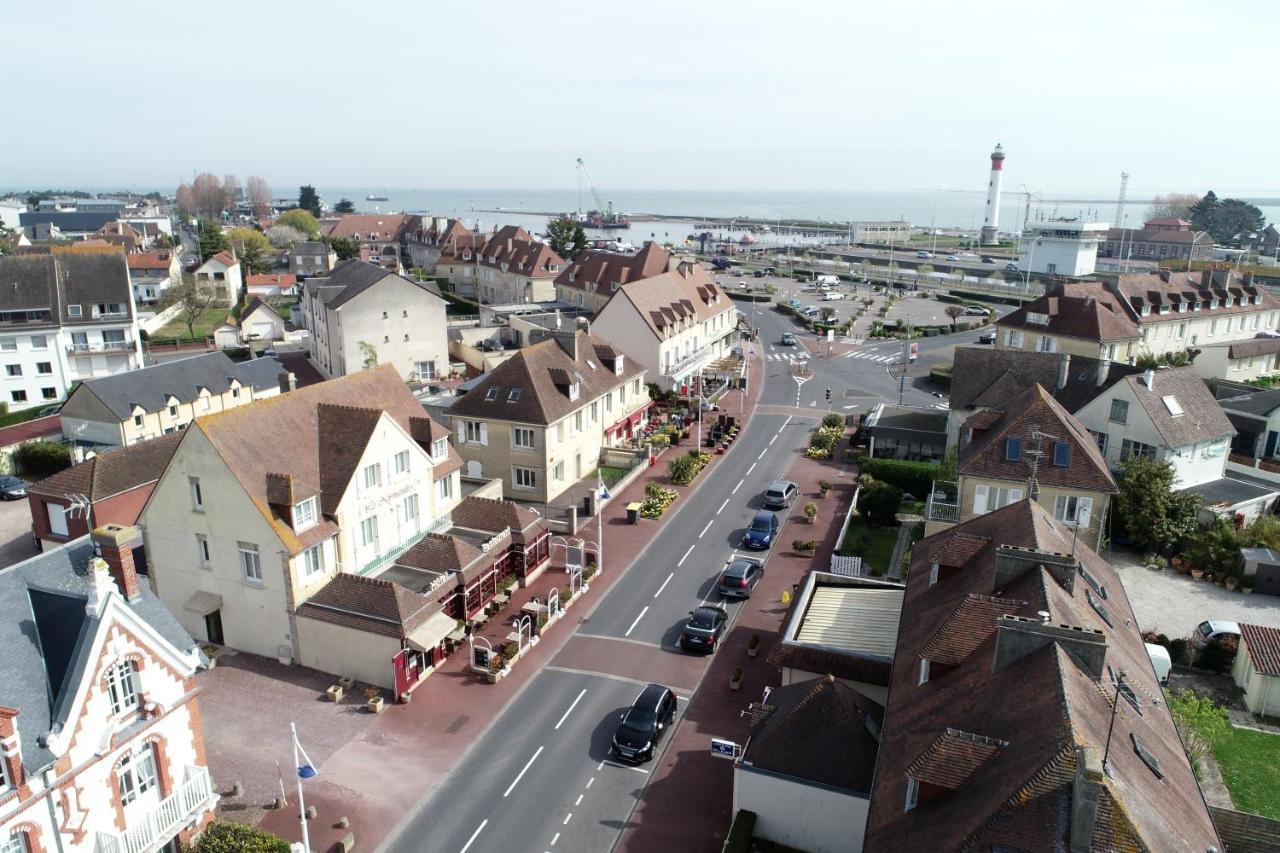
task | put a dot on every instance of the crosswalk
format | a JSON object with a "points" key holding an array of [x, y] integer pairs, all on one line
{"points": [[791, 357], [872, 355]]}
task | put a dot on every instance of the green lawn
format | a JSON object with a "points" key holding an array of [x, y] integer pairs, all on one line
{"points": [[202, 329], [873, 544], [612, 475], [1250, 765], [912, 508]]}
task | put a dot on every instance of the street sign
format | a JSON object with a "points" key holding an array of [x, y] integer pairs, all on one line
{"points": [[721, 748], [831, 335], [480, 657], [914, 352]]}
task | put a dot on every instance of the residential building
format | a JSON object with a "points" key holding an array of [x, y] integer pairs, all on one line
{"points": [[74, 217], [1028, 447], [539, 420], [263, 505], [361, 312], [1257, 669], [447, 248], [1264, 242], [591, 279], [381, 236], [905, 432], [164, 398], [107, 488], [272, 285], [674, 324], [152, 273], [1159, 239], [1083, 318], [1256, 419], [1024, 712], [124, 235], [515, 268], [311, 258], [99, 709], [1067, 247], [1239, 361], [222, 271], [64, 318], [259, 321]]}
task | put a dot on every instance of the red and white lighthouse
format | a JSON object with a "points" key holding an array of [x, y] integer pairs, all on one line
{"points": [[991, 219]]}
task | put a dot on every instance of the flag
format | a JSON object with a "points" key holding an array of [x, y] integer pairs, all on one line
{"points": [[306, 770], [603, 492]]}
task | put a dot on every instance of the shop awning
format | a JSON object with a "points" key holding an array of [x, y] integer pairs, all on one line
{"points": [[203, 603], [633, 418], [431, 633]]}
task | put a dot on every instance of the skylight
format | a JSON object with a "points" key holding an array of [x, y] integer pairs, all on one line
{"points": [[1171, 403], [1145, 754], [492, 393], [513, 395]]}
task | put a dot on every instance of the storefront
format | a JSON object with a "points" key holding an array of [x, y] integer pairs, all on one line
{"points": [[628, 428]]}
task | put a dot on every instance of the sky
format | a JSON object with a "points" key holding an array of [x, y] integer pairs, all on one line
{"points": [[746, 95]]}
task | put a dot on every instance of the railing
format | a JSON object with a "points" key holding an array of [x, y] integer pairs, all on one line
{"points": [[940, 507], [368, 567], [694, 358], [162, 823], [103, 346]]}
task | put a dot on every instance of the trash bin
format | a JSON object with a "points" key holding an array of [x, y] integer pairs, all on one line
{"points": [[633, 512]]}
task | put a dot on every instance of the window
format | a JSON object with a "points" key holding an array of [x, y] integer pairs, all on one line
{"points": [[557, 472], [1061, 454], [16, 843], [989, 498], [369, 532], [1012, 449], [473, 432], [560, 431], [44, 368], [1046, 343], [313, 561], [439, 449], [1072, 509], [250, 562], [577, 421], [924, 672], [74, 311], [373, 475], [1148, 759], [1136, 448], [304, 514], [444, 488], [197, 494], [524, 478], [122, 686], [522, 437], [18, 396], [1120, 411], [202, 549], [113, 338], [136, 774], [1013, 338], [426, 370], [595, 411], [137, 420], [492, 393], [402, 462], [1171, 403], [13, 369], [1103, 439], [8, 344], [409, 512], [913, 791], [173, 411]]}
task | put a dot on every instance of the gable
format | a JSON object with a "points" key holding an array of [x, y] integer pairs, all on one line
{"points": [[385, 439], [86, 405]]}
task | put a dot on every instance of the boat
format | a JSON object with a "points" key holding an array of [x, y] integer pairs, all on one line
{"points": [[372, 197]]}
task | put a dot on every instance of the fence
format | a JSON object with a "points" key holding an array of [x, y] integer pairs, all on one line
{"points": [[840, 565], [1246, 833]]}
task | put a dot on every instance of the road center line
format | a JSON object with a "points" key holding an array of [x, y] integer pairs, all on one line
{"points": [[664, 585], [513, 784], [578, 801], [685, 557], [735, 488], [637, 622], [772, 440], [787, 421], [472, 839], [567, 818], [554, 839], [704, 530], [591, 781], [762, 453], [752, 468], [570, 709], [722, 506]]}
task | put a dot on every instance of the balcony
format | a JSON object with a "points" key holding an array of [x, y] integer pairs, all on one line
{"points": [[184, 806], [943, 505], [694, 359], [99, 347]]}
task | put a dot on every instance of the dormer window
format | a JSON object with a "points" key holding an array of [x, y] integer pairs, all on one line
{"points": [[1012, 449], [122, 686], [1146, 310], [1037, 318], [617, 365], [304, 514], [513, 395], [1257, 299], [492, 393], [439, 449], [1213, 303], [575, 388]]}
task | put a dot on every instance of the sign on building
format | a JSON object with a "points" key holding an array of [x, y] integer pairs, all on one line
{"points": [[721, 748]]}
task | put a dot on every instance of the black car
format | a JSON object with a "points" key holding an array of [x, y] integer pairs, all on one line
{"points": [[702, 632], [12, 488], [641, 727], [740, 576], [759, 273]]}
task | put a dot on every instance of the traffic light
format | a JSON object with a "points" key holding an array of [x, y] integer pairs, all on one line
{"points": [[828, 395]]}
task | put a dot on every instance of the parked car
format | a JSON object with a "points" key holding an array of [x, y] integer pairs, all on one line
{"points": [[953, 257], [987, 337], [810, 310], [12, 488], [832, 297], [976, 311], [720, 264], [740, 576], [768, 270], [787, 340], [759, 273], [1160, 661], [761, 532], [1212, 629], [781, 494], [703, 630], [642, 726], [50, 410], [1011, 267]]}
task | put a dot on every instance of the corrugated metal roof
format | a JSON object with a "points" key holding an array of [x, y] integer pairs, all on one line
{"points": [[855, 619]]}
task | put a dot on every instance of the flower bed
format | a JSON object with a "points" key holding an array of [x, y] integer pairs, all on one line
{"points": [[656, 500]]}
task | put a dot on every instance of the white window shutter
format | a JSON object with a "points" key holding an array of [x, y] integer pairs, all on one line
{"points": [[1015, 495], [462, 432], [484, 434], [980, 500], [1084, 511]]}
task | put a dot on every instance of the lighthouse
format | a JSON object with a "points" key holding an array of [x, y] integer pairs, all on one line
{"points": [[991, 219]]}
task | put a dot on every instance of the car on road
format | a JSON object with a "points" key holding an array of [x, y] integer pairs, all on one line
{"points": [[810, 310], [832, 297], [759, 273], [787, 340], [720, 264], [50, 410], [1011, 267], [740, 576], [768, 270], [923, 255], [987, 337], [1212, 629], [761, 532], [642, 726], [12, 488], [781, 494], [953, 257], [703, 630], [976, 311]]}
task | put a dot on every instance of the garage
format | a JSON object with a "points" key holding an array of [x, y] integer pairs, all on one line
{"points": [[1263, 565]]}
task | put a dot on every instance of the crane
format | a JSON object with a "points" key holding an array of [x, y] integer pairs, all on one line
{"points": [[603, 216], [1124, 187]]}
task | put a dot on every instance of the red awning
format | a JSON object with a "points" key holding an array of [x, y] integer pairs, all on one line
{"points": [[632, 419]]}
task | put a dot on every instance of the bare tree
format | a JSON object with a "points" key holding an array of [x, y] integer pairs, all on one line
{"points": [[955, 312], [186, 197], [234, 190], [209, 196], [194, 299], [259, 194], [1176, 205]]}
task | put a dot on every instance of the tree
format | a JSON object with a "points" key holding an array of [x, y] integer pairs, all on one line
{"points": [[301, 220], [955, 312], [1173, 205], [343, 247], [1202, 212], [186, 197], [1264, 532], [164, 241], [252, 248], [370, 355], [880, 503], [42, 458], [223, 836], [194, 299], [284, 236], [212, 240], [1235, 217], [827, 313], [259, 195], [309, 200], [1151, 511], [235, 192], [209, 196], [344, 205], [1201, 722], [566, 237]]}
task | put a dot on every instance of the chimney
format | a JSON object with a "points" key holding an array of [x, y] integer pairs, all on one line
{"points": [[557, 318], [1085, 794], [1149, 379], [421, 432], [1064, 370], [115, 544], [1165, 275], [1104, 368], [1018, 636], [288, 382], [11, 747]]}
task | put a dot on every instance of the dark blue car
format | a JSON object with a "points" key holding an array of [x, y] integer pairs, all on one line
{"points": [[761, 531]]}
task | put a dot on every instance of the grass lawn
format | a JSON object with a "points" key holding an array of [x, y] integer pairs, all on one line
{"points": [[203, 327], [912, 508], [612, 475], [873, 544], [1250, 765]]}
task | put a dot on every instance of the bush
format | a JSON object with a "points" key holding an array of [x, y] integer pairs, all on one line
{"points": [[914, 477], [941, 374], [223, 836], [740, 832], [880, 504], [1178, 652], [683, 469], [1218, 655], [831, 419], [42, 458]]}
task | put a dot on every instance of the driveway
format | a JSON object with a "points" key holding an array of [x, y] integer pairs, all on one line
{"points": [[1173, 604], [15, 532]]}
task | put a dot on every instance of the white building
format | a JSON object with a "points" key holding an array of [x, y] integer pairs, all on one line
{"points": [[223, 272], [361, 312], [64, 318], [1061, 247]]}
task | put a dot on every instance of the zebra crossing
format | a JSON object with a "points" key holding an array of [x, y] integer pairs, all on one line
{"points": [[872, 355], [791, 357]]}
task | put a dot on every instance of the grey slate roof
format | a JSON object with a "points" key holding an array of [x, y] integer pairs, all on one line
{"points": [[1226, 491], [1202, 419], [1262, 403], [45, 634], [56, 281], [354, 277], [150, 387], [978, 369]]}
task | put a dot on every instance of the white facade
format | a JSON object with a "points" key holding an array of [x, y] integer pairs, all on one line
{"points": [[991, 216], [1060, 247], [222, 271], [806, 816]]}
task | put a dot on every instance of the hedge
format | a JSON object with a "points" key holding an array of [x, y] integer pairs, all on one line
{"points": [[941, 374], [976, 297], [914, 477], [42, 458], [223, 836], [750, 297], [740, 833]]}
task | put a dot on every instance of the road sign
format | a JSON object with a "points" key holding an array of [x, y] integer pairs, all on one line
{"points": [[721, 748], [831, 335], [914, 352]]}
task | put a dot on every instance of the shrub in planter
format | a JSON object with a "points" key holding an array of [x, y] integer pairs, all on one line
{"points": [[223, 836], [564, 597], [510, 650], [831, 419], [823, 488], [811, 511]]}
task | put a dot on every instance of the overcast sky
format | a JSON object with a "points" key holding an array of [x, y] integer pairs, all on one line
{"points": [[772, 96]]}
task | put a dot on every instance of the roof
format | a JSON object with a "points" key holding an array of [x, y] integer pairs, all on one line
{"points": [[311, 247], [1202, 418], [909, 424], [1261, 403], [994, 736], [369, 604], [256, 303], [820, 731], [1084, 309], [46, 633], [30, 430], [541, 374], [983, 377], [1227, 492], [275, 279], [149, 260], [1180, 291], [1157, 235], [855, 619], [113, 471], [512, 248], [151, 387], [671, 302], [373, 227], [1250, 348], [599, 271], [54, 281], [1263, 644], [225, 258], [1031, 411], [352, 277], [492, 516]]}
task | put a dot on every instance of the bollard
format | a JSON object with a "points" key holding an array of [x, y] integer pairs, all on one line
{"points": [[343, 822]]}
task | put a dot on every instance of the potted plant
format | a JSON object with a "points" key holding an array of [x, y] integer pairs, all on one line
{"points": [[496, 665], [1231, 583], [334, 693], [1246, 586], [347, 683], [373, 700], [753, 645], [735, 680], [823, 488], [1197, 574], [811, 512]]}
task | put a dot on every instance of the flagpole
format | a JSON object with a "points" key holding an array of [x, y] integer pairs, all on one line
{"points": [[603, 494], [302, 806]]}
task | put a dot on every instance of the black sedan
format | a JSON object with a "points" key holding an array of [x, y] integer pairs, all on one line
{"points": [[703, 630]]}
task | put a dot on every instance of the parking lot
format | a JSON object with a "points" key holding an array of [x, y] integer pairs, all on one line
{"points": [[15, 532]]}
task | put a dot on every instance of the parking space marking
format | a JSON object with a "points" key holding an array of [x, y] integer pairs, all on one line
{"points": [[571, 707], [625, 767], [515, 781], [637, 622]]}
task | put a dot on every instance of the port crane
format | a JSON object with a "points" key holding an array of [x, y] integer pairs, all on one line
{"points": [[603, 216]]}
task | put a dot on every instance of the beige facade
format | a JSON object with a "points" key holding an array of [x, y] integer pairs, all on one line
{"points": [[1178, 331], [980, 495], [362, 655], [1031, 341], [498, 286], [1261, 692]]}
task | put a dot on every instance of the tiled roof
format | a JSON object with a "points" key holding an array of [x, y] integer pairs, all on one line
{"points": [[149, 260], [1157, 235], [1177, 290], [1202, 419], [984, 419], [953, 758], [225, 258], [59, 280], [491, 516], [274, 279], [373, 227], [985, 377], [369, 604], [1259, 403], [1085, 310], [972, 623], [113, 471], [1264, 647], [957, 550], [600, 271], [675, 300], [1250, 348], [513, 249], [30, 430], [442, 552]]}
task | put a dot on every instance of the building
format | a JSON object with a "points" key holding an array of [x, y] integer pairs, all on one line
{"points": [[74, 217], [539, 420], [1067, 247], [271, 285], [591, 279], [515, 268], [263, 505], [64, 318], [889, 231], [381, 236], [1004, 730], [152, 273], [107, 488], [361, 313], [99, 710], [144, 404], [222, 271], [1264, 242], [1030, 446], [1080, 318], [13, 437], [448, 249], [1239, 361], [1257, 669], [124, 235], [1255, 417], [674, 324], [311, 258], [991, 217], [905, 432], [1160, 239], [261, 322]]}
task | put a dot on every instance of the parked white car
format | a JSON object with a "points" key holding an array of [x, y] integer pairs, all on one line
{"points": [[831, 297]]}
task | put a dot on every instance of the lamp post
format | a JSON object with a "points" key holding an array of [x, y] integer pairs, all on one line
{"points": [[1031, 254]]}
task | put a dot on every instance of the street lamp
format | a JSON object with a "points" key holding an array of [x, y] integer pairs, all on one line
{"points": [[1031, 254]]}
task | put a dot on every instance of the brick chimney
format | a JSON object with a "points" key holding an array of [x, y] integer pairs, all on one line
{"points": [[1064, 370], [288, 382], [1104, 368], [11, 747], [115, 543], [1085, 794]]}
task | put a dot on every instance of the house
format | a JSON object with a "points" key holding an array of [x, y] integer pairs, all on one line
{"points": [[674, 324], [1264, 242], [1239, 361], [271, 285], [905, 432], [260, 322], [1255, 448], [222, 271], [591, 279], [124, 235], [13, 437], [152, 273], [1164, 238], [261, 506], [311, 258], [1257, 669], [226, 335], [1028, 447], [164, 398], [515, 268], [107, 488], [73, 217], [1081, 318], [539, 420], [64, 318], [99, 709], [1024, 712], [361, 313], [450, 250], [1178, 311], [381, 236]]}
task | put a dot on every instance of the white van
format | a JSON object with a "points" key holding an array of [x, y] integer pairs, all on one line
{"points": [[1160, 660], [830, 280]]}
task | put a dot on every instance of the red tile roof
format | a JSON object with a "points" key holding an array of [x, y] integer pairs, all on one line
{"points": [[268, 279], [1264, 647], [149, 260], [953, 758], [512, 248], [1088, 310], [369, 604], [491, 516], [957, 550], [972, 623], [373, 227], [601, 271], [112, 472], [30, 431]]}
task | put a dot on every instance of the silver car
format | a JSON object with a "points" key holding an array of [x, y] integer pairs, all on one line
{"points": [[780, 494]]}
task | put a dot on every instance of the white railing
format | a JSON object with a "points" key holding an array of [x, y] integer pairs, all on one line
{"points": [[698, 357], [148, 834], [938, 508]]}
